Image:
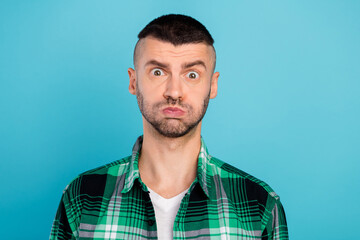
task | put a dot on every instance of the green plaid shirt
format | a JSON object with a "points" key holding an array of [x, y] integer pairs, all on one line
{"points": [[111, 202]]}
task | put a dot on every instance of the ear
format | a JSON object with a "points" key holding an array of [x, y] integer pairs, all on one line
{"points": [[132, 81], [214, 84]]}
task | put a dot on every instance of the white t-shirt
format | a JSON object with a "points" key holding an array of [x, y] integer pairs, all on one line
{"points": [[165, 213]]}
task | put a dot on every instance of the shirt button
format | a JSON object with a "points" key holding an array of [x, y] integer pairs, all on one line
{"points": [[151, 222]]}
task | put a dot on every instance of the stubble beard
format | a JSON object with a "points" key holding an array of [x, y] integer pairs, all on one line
{"points": [[169, 127]]}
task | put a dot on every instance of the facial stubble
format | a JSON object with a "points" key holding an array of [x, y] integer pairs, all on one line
{"points": [[171, 127]]}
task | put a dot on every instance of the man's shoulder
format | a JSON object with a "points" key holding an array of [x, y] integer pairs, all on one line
{"points": [[241, 180], [95, 179]]}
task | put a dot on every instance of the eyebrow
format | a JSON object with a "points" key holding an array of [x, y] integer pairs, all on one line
{"points": [[156, 63], [195, 63], [185, 65]]}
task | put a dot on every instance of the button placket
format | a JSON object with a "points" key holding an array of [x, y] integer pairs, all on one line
{"points": [[180, 217]]}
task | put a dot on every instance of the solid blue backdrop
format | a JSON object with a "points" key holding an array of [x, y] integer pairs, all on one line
{"points": [[288, 108]]}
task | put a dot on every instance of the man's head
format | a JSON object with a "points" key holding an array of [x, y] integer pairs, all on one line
{"points": [[174, 75], [176, 29]]}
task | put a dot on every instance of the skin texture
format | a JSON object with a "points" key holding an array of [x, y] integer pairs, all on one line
{"points": [[173, 85], [172, 125]]}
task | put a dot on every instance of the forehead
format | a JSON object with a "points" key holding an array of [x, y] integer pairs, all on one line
{"points": [[150, 48]]}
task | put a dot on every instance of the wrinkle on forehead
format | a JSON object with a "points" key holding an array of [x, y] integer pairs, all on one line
{"points": [[177, 51]]}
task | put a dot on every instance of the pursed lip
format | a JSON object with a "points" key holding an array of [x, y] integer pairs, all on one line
{"points": [[173, 112]]}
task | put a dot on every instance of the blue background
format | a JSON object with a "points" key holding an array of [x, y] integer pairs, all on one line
{"points": [[288, 108]]}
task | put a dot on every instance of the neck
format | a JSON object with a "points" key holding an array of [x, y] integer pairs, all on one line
{"points": [[169, 165]]}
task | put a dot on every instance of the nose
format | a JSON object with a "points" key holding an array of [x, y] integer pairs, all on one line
{"points": [[174, 88]]}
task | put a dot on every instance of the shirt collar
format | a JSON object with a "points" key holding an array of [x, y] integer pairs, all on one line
{"points": [[203, 168], [132, 171]]}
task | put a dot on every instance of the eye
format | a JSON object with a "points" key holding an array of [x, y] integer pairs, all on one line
{"points": [[192, 75], [157, 72]]}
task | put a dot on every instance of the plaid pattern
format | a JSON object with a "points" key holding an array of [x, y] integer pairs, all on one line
{"points": [[111, 202]]}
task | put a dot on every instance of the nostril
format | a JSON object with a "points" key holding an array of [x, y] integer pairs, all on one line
{"points": [[172, 101]]}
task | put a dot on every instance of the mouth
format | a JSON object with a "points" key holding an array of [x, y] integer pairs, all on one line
{"points": [[173, 112]]}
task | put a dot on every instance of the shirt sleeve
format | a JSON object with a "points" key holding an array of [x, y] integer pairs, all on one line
{"points": [[276, 228], [61, 229], [66, 223]]}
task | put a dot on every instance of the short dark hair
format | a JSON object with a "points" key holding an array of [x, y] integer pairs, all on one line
{"points": [[177, 29]]}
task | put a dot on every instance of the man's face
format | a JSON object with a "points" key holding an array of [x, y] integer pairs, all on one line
{"points": [[173, 84]]}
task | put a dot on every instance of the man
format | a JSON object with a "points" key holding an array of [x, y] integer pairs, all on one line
{"points": [[170, 188]]}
